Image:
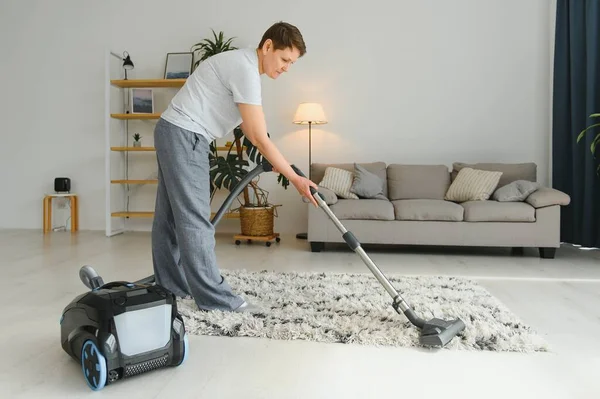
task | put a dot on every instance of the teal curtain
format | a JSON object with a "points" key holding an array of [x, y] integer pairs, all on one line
{"points": [[576, 95]]}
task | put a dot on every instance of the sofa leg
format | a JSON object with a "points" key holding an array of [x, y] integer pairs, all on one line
{"points": [[317, 246], [547, 253], [518, 251]]}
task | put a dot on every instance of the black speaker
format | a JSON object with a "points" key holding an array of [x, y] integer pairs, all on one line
{"points": [[62, 184]]}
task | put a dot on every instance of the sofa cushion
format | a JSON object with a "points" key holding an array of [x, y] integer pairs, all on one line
{"points": [[330, 197], [546, 196], [428, 209], [339, 181], [373, 209], [378, 168], [518, 190], [510, 171], [417, 181], [494, 211], [473, 185], [366, 184]]}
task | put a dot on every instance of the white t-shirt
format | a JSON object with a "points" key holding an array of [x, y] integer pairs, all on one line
{"points": [[207, 102]]}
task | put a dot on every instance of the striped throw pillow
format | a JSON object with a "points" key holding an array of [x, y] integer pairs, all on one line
{"points": [[339, 181], [473, 185]]}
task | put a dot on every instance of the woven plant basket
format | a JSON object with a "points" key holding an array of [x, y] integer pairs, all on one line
{"points": [[257, 221]]}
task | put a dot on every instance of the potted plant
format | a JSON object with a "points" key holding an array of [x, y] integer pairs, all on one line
{"points": [[136, 140], [226, 171], [208, 47], [596, 139]]}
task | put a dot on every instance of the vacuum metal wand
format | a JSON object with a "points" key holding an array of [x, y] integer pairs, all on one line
{"points": [[356, 247], [399, 304]]}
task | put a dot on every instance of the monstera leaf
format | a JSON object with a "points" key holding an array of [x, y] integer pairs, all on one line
{"points": [[227, 172], [255, 156]]}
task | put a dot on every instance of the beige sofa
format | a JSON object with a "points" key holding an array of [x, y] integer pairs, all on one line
{"points": [[414, 211]]}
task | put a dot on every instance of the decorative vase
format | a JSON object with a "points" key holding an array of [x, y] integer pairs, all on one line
{"points": [[137, 143]]}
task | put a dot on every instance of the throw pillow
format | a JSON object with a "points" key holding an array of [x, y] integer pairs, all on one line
{"points": [[367, 184], [518, 190], [473, 185], [339, 181]]}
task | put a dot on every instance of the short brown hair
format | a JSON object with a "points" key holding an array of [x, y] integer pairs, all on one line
{"points": [[284, 35]]}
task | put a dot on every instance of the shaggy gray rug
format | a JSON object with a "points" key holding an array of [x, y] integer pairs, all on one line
{"points": [[355, 309]]}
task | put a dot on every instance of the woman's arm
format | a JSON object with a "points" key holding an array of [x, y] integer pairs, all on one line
{"points": [[254, 127]]}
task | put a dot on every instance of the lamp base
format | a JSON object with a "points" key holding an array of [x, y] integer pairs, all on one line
{"points": [[302, 236]]}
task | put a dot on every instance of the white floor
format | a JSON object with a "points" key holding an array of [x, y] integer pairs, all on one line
{"points": [[560, 298]]}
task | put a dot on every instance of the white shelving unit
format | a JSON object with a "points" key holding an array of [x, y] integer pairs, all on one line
{"points": [[118, 186], [117, 148]]}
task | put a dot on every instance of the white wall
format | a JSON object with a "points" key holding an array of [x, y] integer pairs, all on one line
{"points": [[400, 81]]}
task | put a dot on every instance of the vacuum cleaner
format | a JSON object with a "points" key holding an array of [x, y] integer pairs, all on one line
{"points": [[122, 329]]}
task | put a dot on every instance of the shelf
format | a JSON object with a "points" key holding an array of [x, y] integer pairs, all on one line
{"points": [[154, 181], [148, 82], [234, 150], [154, 149], [228, 215], [135, 116], [133, 214], [133, 149], [116, 88]]}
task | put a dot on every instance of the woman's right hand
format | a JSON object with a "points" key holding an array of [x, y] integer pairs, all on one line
{"points": [[303, 186]]}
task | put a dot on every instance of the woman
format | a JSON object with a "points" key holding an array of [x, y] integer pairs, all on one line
{"points": [[223, 92]]}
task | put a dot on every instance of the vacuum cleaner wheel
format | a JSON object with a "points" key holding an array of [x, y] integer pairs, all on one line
{"points": [[186, 349], [93, 364]]}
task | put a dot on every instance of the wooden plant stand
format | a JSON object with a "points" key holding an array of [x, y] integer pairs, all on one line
{"points": [[267, 239]]}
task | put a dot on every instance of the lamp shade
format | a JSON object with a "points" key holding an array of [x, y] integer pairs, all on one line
{"points": [[127, 63], [310, 112]]}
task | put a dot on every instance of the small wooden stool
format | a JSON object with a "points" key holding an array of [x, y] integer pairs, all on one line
{"points": [[48, 211]]}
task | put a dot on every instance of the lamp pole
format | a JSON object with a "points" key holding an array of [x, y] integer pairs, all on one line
{"points": [[309, 150], [309, 113]]}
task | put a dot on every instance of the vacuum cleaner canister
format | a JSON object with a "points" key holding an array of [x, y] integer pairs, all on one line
{"points": [[121, 329]]}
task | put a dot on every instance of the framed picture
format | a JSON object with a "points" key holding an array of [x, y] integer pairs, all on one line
{"points": [[178, 65], [142, 101]]}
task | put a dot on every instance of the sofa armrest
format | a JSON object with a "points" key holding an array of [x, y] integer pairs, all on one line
{"points": [[546, 196], [330, 197]]}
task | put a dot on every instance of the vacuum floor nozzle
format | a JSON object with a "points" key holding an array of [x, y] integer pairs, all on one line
{"points": [[437, 332]]}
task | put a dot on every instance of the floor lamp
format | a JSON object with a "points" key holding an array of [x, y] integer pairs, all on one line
{"points": [[309, 114]]}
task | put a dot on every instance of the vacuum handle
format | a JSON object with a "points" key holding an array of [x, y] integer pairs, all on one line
{"points": [[267, 167], [313, 190], [90, 278]]}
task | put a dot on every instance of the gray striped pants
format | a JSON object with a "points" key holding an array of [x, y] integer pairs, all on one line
{"points": [[183, 242]]}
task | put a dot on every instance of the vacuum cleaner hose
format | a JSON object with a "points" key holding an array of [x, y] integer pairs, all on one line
{"points": [[265, 166]]}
